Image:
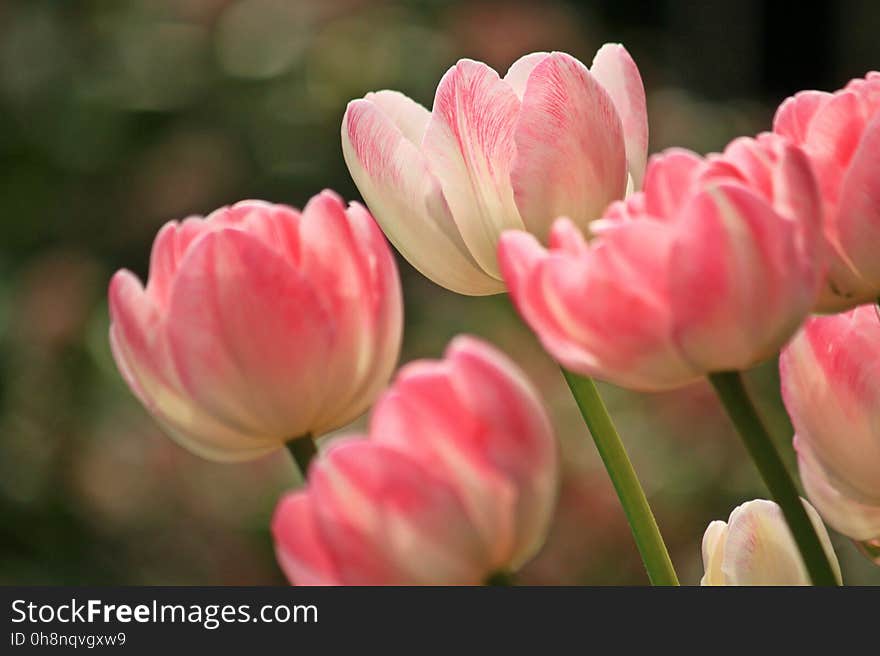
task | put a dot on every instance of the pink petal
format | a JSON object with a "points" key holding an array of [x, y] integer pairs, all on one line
{"points": [[407, 115], [858, 214], [423, 417], [740, 258], [345, 256], [515, 436], [139, 343], [832, 139], [570, 153], [669, 181], [523, 261], [387, 520], [795, 114], [469, 145], [619, 306], [603, 313], [830, 373], [616, 71], [165, 257], [518, 74], [856, 518], [406, 199], [249, 337], [299, 546]]}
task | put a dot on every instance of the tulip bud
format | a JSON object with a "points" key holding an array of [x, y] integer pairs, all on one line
{"points": [[551, 137], [830, 375], [840, 133], [456, 481], [756, 547], [259, 324], [711, 268]]}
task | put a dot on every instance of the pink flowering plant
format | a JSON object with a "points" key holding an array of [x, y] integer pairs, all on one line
{"points": [[261, 326]]}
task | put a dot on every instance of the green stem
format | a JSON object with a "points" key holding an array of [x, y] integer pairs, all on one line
{"points": [[626, 483], [733, 395], [302, 449], [501, 578]]}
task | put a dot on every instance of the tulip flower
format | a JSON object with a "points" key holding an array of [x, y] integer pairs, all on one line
{"points": [[549, 138], [830, 375], [711, 268], [755, 547], [456, 481], [840, 133], [259, 324]]}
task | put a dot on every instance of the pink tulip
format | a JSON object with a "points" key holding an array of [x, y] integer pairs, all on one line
{"points": [[549, 138], [840, 132], [831, 386], [711, 268], [456, 481], [259, 324]]}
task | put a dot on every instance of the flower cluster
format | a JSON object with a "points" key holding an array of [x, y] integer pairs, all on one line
{"points": [[261, 326]]}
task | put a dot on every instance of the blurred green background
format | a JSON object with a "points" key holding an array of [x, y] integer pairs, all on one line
{"points": [[118, 115]]}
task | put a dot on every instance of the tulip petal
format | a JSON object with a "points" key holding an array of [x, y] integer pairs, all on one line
{"points": [[300, 550], [855, 518], [570, 153], [469, 145], [518, 74], [760, 549], [388, 520], [140, 348], [169, 246], [423, 416], [406, 114], [831, 364], [233, 308], [795, 114], [858, 215], [406, 199], [603, 312], [618, 74], [736, 255], [343, 254], [713, 553], [669, 182], [832, 139], [517, 438], [523, 261]]}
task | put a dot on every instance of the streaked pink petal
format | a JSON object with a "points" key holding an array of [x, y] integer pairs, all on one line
{"points": [[616, 71], [834, 364], [518, 74], [406, 199], [406, 114], [570, 154], [469, 146]]}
